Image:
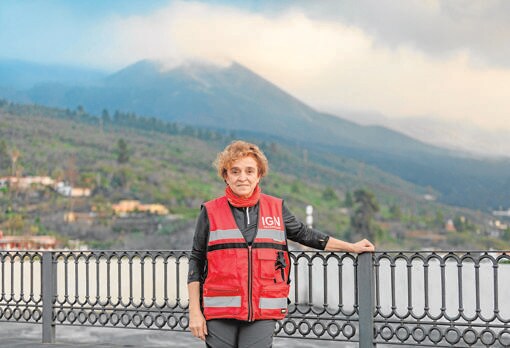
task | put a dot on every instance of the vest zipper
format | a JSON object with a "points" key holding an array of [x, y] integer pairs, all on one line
{"points": [[250, 306], [250, 314]]}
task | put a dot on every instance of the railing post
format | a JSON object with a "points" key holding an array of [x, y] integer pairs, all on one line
{"points": [[49, 281], [366, 300]]}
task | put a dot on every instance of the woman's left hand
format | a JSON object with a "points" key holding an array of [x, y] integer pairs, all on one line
{"points": [[359, 247], [363, 246]]}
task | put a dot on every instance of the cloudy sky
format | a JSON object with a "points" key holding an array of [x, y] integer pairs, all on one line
{"points": [[445, 60]]}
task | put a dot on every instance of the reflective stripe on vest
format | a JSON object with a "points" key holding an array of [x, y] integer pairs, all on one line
{"points": [[225, 234], [276, 235], [222, 301], [273, 303]]}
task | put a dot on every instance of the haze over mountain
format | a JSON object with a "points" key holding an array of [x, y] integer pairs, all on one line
{"points": [[20, 75], [237, 99], [463, 137]]}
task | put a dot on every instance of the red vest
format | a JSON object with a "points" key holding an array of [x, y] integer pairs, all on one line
{"points": [[246, 282]]}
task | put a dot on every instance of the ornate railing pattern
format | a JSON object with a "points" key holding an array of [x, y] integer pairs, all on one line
{"points": [[448, 299], [20, 292], [132, 289], [457, 299]]}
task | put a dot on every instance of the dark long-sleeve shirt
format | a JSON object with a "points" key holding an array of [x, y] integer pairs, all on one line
{"points": [[247, 219]]}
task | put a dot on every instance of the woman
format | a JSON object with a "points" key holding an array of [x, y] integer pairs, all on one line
{"points": [[239, 265]]}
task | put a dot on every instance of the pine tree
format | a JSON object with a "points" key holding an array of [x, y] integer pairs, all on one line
{"points": [[329, 194], [366, 207], [348, 202], [4, 155], [122, 151]]}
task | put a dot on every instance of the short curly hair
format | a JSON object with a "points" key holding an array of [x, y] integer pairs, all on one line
{"points": [[237, 150]]}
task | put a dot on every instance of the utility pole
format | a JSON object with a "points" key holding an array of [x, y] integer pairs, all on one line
{"points": [[309, 216]]}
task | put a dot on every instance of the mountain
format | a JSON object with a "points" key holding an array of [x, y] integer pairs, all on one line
{"points": [[233, 98], [236, 99]]}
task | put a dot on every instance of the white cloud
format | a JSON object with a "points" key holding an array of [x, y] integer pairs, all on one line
{"points": [[435, 26], [328, 64]]}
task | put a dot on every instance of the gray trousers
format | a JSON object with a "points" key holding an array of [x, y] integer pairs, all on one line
{"points": [[232, 333]]}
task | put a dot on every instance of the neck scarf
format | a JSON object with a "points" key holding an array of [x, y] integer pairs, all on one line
{"points": [[241, 202]]}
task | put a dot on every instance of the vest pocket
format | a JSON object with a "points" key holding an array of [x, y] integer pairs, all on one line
{"points": [[221, 300], [222, 265], [218, 290], [267, 260], [276, 290], [273, 301]]}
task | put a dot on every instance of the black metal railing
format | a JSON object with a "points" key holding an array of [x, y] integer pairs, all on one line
{"points": [[442, 299], [456, 299]]}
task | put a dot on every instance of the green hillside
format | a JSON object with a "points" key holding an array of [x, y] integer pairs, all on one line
{"points": [[170, 164], [236, 99]]}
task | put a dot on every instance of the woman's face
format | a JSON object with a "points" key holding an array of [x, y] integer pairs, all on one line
{"points": [[243, 176]]}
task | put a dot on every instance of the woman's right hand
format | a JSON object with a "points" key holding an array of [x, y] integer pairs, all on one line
{"points": [[197, 324]]}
